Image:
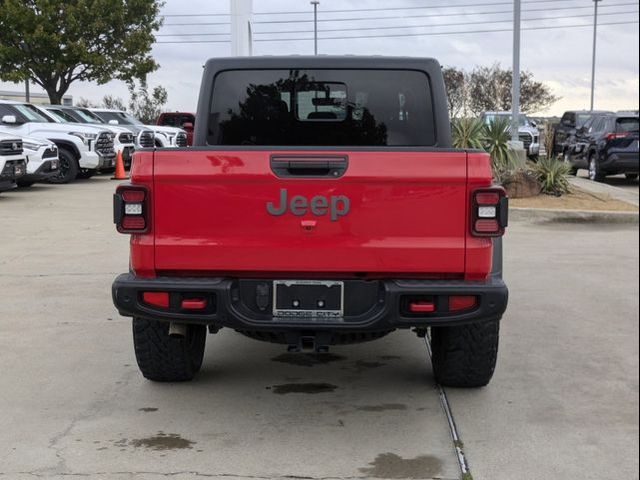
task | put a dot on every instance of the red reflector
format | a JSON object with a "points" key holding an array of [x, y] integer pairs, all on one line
{"points": [[159, 299], [487, 198], [461, 302], [133, 223], [194, 304], [422, 307], [487, 226], [132, 196]]}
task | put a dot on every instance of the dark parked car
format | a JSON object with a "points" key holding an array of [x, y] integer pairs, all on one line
{"points": [[608, 145], [565, 132]]}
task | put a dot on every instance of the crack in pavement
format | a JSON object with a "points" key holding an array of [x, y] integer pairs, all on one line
{"points": [[201, 474], [61, 468]]}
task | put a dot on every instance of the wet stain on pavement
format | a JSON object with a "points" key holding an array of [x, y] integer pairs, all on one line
{"points": [[308, 359], [148, 409], [381, 408], [364, 365], [311, 388], [162, 441], [390, 465], [390, 357]]}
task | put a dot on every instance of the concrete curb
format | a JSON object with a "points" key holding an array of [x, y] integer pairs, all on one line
{"points": [[533, 215], [596, 188]]}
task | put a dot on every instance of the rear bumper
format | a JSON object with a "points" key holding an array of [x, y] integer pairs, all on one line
{"points": [[622, 162], [229, 306]]}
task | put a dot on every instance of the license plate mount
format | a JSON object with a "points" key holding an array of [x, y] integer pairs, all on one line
{"points": [[308, 298]]}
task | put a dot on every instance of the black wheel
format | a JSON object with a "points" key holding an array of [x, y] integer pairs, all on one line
{"points": [[465, 356], [67, 167], [631, 176], [566, 158], [162, 358], [534, 158], [595, 173], [24, 184]]}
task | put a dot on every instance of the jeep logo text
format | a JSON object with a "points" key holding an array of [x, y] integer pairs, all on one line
{"points": [[336, 205]]}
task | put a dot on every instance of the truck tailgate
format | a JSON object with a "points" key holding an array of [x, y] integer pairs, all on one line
{"points": [[407, 212]]}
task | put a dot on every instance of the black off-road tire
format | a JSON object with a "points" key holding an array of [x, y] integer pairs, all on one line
{"points": [[631, 176], [68, 167], [162, 358], [465, 356], [24, 184]]}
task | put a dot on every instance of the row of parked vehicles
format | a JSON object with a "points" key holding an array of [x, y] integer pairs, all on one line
{"points": [[604, 143], [59, 144]]}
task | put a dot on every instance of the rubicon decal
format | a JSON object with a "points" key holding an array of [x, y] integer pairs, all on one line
{"points": [[335, 206]]}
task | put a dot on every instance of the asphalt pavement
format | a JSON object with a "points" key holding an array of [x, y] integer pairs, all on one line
{"points": [[563, 403]]}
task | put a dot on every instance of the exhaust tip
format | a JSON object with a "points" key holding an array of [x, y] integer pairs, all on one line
{"points": [[177, 330]]}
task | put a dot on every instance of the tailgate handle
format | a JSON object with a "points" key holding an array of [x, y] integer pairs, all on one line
{"points": [[285, 166]]}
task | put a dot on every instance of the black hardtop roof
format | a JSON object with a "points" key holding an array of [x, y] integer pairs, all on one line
{"points": [[429, 66], [323, 61]]}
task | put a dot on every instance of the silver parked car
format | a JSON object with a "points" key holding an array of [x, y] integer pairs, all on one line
{"points": [[528, 132]]}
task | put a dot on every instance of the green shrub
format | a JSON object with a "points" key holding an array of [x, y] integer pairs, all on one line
{"points": [[553, 176], [496, 143], [467, 133]]}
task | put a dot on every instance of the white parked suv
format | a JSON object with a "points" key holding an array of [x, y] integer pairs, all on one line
{"points": [[163, 137], [42, 161], [12, 161], [82, 150], [123, 139]]}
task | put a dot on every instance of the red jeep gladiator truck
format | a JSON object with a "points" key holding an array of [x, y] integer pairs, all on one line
{"points": [[321, 204]]}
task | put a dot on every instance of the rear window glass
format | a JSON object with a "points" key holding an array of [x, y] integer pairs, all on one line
{"points": [[321, 108], [627, 124]]}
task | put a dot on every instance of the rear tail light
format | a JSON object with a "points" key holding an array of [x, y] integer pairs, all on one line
{"points": [[489, 212], [613, 136], [131, 209]]}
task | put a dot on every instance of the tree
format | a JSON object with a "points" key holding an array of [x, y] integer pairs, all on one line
{"points": [[57, 42], [456, 82], [144, 105], [85, 102], [490, 90], [113, 103]]}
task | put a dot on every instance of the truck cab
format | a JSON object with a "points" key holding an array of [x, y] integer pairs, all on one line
{"points": [[321, 204]]}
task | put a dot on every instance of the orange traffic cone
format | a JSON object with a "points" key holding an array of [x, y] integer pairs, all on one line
{"points": [[120, 173]]}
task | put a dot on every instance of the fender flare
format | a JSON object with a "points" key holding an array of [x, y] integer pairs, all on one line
{"points": [[66, 144]]}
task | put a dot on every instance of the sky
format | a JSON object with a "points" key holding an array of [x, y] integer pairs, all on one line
{"points": [[560, 57]]}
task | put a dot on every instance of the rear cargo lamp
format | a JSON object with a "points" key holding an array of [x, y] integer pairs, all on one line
{"points": [[131, 209], [489, 212]]}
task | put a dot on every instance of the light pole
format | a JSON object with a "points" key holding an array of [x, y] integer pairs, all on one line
{"points": [[515, 90], [593, 59], [315, 26]]}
